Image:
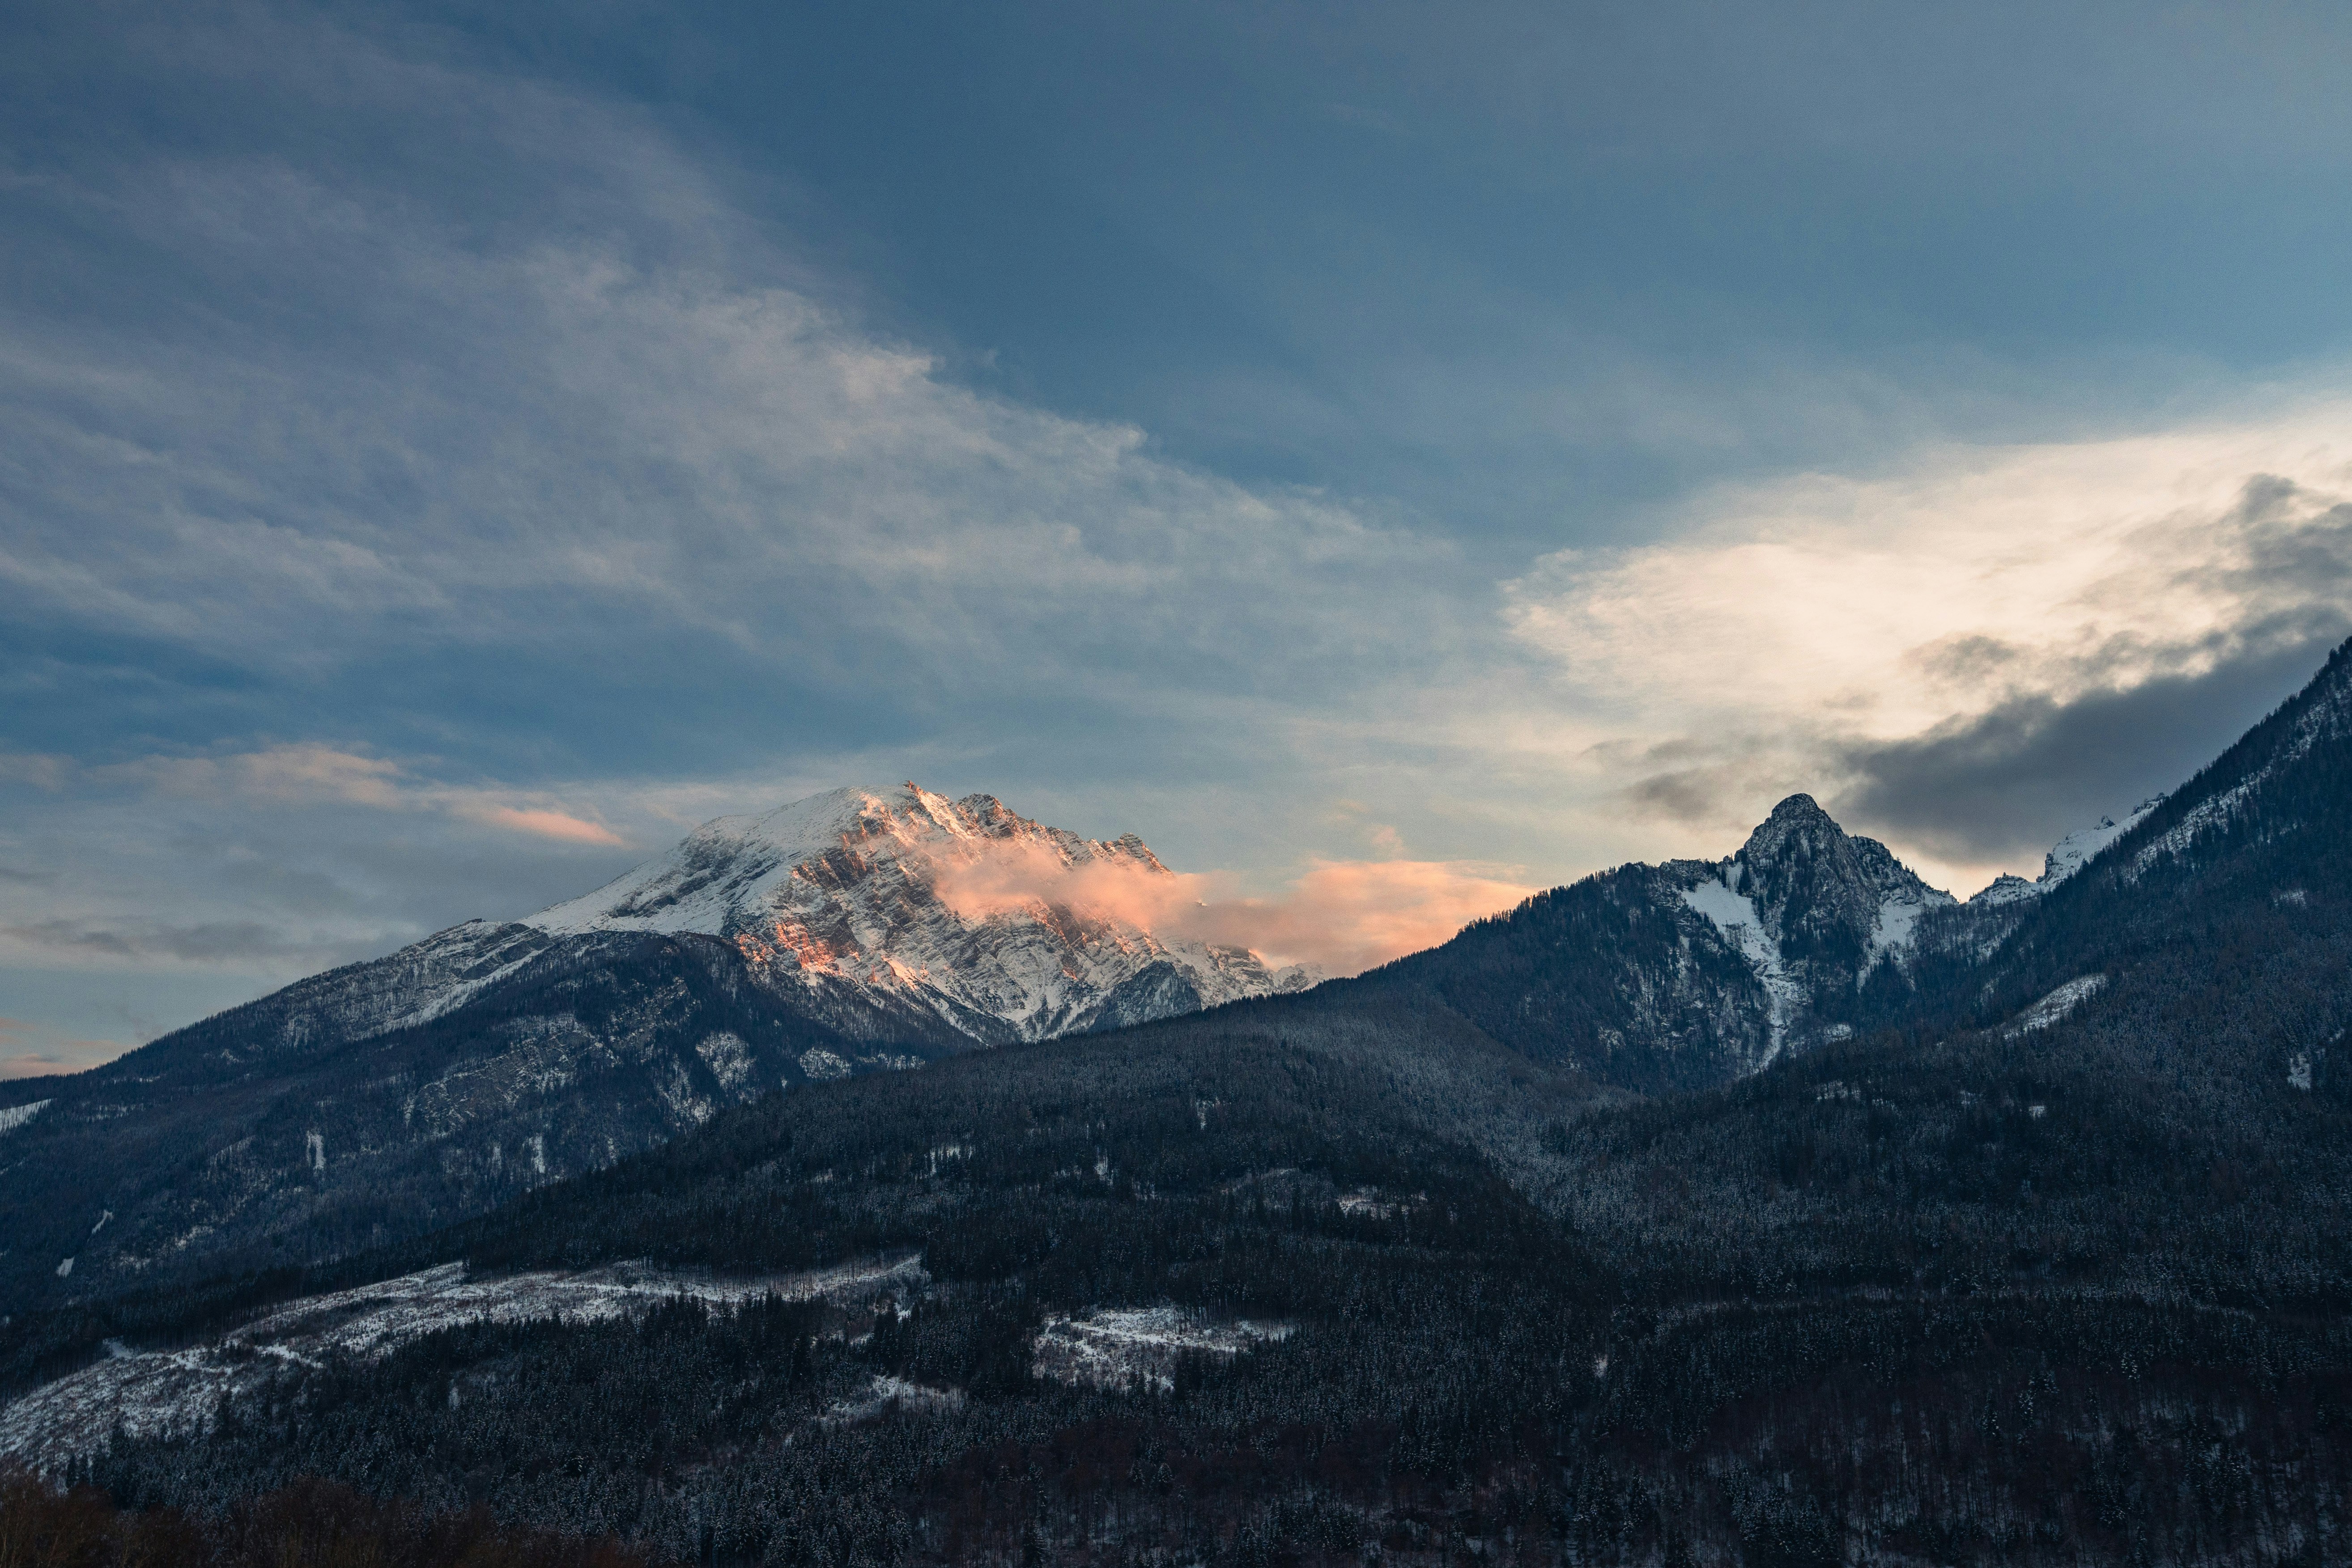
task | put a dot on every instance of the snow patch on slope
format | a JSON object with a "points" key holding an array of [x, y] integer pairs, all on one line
{"points": [[16, 1116], [1897, 915], [1734, 914], [2056, 1005]]}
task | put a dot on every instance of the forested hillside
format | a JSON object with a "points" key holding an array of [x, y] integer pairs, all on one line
{"points": [[1515, 1326]]}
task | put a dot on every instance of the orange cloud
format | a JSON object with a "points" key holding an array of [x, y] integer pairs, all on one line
{"points": [[1342, 916], [1345, 917], [27, 1055], [545, 824]]}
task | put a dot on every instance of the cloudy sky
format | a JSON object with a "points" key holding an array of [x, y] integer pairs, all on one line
{"points": [[1387, 455]]}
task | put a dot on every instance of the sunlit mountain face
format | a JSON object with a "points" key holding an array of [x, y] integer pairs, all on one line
{"points": [[1005, 928]]}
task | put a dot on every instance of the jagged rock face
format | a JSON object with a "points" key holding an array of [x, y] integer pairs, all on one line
{"points": [[1696, 972], [959, 911], [1828, 899], [1817, 914]]}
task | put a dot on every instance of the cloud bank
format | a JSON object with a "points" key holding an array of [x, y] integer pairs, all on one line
{"points": [[1953, 650]]}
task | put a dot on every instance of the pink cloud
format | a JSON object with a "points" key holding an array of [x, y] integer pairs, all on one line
{"points": [[28, 1055], [545, 824], [1343, 917]]}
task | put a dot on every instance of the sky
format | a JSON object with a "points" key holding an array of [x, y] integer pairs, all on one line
{"points": [[1387, 455]]}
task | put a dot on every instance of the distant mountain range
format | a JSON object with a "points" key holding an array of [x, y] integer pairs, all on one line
{"points": [[1772, 1210], [863, 930]]}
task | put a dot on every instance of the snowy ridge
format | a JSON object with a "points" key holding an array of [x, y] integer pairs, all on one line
{"points": [[2006, 889], [16, 1116], [415, 985], [2080, 847], [2328, 717], [2066, 857], [861, 887]]}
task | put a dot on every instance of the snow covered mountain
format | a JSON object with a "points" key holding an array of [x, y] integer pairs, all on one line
{"points": [[1815, 911], [1000, 926], [2070, 854], [855, 931], [1653, 978], [1650, 978]]}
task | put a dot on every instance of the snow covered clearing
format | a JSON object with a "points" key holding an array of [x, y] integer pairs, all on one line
{"points": [[1121, 1347], [159, 1392], [1367, 1202], [886, 1393], [2055, 1005], [16, 1116]]}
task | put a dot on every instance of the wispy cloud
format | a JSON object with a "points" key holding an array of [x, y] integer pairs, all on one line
{"points": [[640, 453], [315, 774], [545, 824], [234, 941]]}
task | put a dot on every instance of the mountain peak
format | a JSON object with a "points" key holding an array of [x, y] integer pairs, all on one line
{"points": [[998, 923], [1797, 826], [1820, 891]]}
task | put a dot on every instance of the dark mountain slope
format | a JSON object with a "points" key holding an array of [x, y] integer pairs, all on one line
{"points": [[1615, 975], [2262, 832], [1972, 1370], [276, 1134], [1685, 975]]}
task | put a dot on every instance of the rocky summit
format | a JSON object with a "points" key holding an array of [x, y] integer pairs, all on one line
{"points": [[998, 927]]}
